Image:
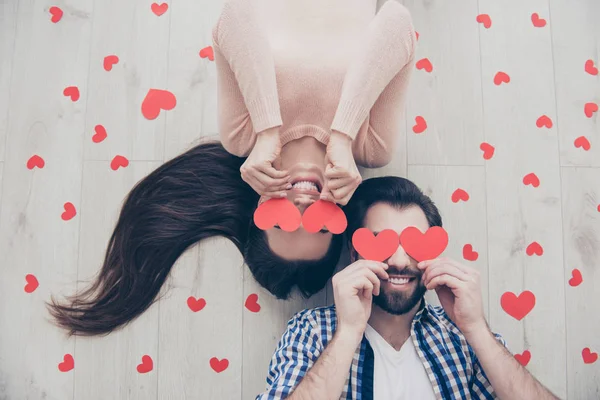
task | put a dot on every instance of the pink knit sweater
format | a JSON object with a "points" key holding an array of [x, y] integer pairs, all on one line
{"points": [[310, 67]]}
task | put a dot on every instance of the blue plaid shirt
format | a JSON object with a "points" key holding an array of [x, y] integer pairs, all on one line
{"points": [[450, 363]]}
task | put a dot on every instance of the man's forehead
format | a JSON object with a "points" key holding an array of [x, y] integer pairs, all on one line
{"points": [[383, 216]]}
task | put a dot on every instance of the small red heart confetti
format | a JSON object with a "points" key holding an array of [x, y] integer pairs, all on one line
{"points": [[375, 248], [576, 278], [531, 179], [488, 150], [588, 356], [251, 303], [518, 306], [424, 246], [109, 61], [196, 304], [159, 9], [417, 34], [69, 212], [67, 364], [589, 109], [583, 143], [534, 248], [119, 161], [590, 68], [485, 20], [157, 100], [219, 365], [326, 214], [280, 212], [469, 254], [32, 283], [524, 358], [500, 78], [420, 125], [100, 134], [72, 92], [425, 64], [544, 121], [537, 21], [460, 194], [146, 365], [207, 52], [35, 161], [57, 14]]}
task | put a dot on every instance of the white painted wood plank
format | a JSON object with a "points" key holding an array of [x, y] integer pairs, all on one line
{"points": [[8, 25], [575, 34], [106, 366], [465, 221], [140, 39], [193, 78], [33, 238], [581, 227], [519, 215], [449, 97], [213, 272]]}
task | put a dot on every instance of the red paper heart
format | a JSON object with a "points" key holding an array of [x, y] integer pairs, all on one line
{"points": [[119, 161], [67, 364], [576, 278], [420, 124], [32, 283], [159, 9], [535, 248], [280, 212], [196, 304], [588, 356], [537, 21], [375, 248], [324, 214], [424, 246], [488, 150], [146, 365], [589, 109], [35, 161], [469, 254], [109, 61], [219, 365], [72, 92], [157, 100], [590, 68], [518, 307], [100, 134], [69, 212], [485, 20], [57, 14], [544, 121], [531, 179], [207, 52], [582, 142], [501, 77], [425, 64], [524, 358], [458, 195], [252, 303]]}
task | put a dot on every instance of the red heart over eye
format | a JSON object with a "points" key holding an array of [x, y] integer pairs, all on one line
{"points": [[424, 246], [375, 248], [324, 214], [277, 211]]}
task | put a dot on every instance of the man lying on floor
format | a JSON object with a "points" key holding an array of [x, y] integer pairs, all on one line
{"points": [[382, 339]]}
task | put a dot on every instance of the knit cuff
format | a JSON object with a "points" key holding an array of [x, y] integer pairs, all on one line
{"points": [[265, 113], [349, 117]]}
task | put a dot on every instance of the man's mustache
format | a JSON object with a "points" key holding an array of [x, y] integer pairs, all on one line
{"points": [[407, 271]]}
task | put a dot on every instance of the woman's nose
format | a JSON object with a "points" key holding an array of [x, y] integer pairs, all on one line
{"points": [[302, 203]]}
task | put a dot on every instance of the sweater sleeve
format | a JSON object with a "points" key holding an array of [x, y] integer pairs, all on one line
{"points": [[248, 102], [383, 59]]}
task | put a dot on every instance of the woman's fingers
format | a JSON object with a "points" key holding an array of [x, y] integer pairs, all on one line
{"points": [[338, 183], [272, 172]]}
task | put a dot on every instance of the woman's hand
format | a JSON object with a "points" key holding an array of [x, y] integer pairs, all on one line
{"points": [[258, 171], [341, 172]]}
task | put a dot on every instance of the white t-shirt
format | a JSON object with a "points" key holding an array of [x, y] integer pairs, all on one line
{"points": [[398, 375]]}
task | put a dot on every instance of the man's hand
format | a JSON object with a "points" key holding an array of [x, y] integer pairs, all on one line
{"points": [[353, 290], [258, 171], [459, 290], [341, 172]]}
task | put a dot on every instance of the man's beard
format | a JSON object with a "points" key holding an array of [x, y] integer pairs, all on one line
{"points": [[398, 302]]}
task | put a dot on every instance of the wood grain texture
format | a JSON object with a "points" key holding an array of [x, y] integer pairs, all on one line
{"points": [[581, 231], [8, 27]]}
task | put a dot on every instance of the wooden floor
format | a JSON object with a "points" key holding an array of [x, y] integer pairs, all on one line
{"points": [[460, 102]]}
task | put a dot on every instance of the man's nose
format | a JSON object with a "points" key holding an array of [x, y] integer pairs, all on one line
{"points": [[399, 259]]}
